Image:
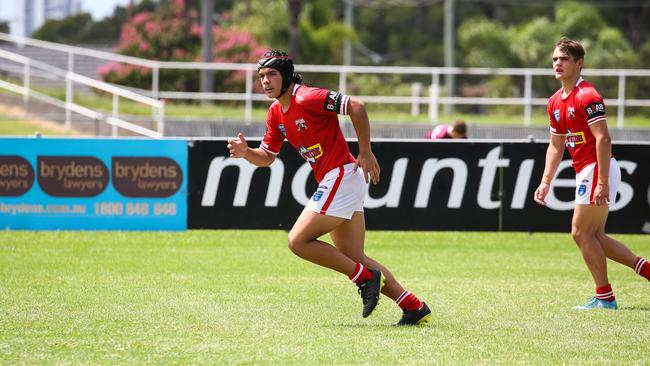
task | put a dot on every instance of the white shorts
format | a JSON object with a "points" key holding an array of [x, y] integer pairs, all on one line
{"points": [[587, 180], [340, 193]]}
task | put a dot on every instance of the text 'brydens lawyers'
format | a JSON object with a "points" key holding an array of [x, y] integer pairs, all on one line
{"points": [[88, 176]]}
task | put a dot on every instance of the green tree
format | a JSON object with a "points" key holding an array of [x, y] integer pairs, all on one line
{"points": [[399, 35], [321, 33], [486, 43], [67, 30]]}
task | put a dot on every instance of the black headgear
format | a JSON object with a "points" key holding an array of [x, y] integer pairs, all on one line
{"points": [[280, 61]]}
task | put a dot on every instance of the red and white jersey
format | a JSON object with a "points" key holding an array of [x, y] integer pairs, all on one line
{"points": [[572, 116], [311, 126]]}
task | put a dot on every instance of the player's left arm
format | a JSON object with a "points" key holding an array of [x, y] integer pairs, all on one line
{"points": [[366, 159], [604, 155]]}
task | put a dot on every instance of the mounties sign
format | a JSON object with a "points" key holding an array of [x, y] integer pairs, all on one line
{"points": [[93, 184], [425, 185]]}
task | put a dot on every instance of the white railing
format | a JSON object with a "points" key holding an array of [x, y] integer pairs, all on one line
{"points": [[434, 100], [158, 107]]}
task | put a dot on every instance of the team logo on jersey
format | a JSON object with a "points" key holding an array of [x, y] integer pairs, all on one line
{"points": [[282, 130], [301, 124], [572, 112], [310, 154], [582, 189], [317, 196], [556, 114], [575, 138]]}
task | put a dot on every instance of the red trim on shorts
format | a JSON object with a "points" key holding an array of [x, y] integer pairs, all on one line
{"points": [[330, 198], [594, 180]]}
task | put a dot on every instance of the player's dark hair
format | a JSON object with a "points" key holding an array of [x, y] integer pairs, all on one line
{"points": [[460, 127], [280, 60], [571, 47]]}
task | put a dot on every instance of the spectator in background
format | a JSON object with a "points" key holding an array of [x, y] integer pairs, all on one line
{"points": [[457, 130]]}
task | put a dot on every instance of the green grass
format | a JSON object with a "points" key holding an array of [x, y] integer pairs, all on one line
{"points": [[241, 297], [19, 127]]}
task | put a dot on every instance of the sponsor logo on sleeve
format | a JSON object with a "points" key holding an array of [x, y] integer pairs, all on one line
{"points": [[333, 101], [556, 114], [282, 130], [596, 109]]}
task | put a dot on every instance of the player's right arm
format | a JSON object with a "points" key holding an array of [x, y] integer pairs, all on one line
{"points": [[554, 154], [239, 149]]}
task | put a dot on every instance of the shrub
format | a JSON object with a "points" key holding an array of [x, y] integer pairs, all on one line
{"points": [[173, 33]]}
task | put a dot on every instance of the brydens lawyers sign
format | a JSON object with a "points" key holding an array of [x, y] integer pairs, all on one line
{"points": [[425, 185], [93, 184]]}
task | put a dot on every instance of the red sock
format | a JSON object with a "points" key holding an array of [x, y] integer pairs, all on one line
{"points": [[605, 293], [361, 274], [408, 301], [642, 267]]}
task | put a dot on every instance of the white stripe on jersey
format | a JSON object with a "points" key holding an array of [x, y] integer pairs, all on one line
{"points": [[597, 119], [344, 105]]}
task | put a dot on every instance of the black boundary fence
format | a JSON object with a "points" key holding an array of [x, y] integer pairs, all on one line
{"points": [[425, 185]]}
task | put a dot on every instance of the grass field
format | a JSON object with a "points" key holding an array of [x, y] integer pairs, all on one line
{"points": [[241, 297], [22, 127]]}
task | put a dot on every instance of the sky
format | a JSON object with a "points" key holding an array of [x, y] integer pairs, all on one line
{"points": [[101, 8], [97, 8]]}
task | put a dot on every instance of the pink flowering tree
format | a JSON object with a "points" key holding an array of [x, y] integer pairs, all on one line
{"points": [[173, 33]]}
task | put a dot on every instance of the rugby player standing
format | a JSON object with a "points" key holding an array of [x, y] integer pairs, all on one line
{"points": [[578, 121]]}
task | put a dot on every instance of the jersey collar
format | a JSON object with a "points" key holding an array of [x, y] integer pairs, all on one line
{"points": [[295, 88]]}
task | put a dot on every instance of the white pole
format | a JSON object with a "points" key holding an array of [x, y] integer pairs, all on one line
{"points": [[528, 98], [434, 95], [26, 85], [69, 91], [621, 100], [115, 113], [248, 113]]}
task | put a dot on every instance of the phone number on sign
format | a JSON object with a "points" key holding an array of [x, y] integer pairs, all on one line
{"points": [[134, 208]]}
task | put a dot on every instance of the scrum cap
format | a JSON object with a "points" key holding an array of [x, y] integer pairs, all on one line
{"points": [[280, 61]]}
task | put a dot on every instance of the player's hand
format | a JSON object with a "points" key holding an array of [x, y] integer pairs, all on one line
{"points": [[540, 193], [369, 166], [601, 194], [238, 147]]}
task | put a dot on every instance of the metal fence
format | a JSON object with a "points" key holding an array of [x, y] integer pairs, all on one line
{"points": [[434, 100], [30, 66]]}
